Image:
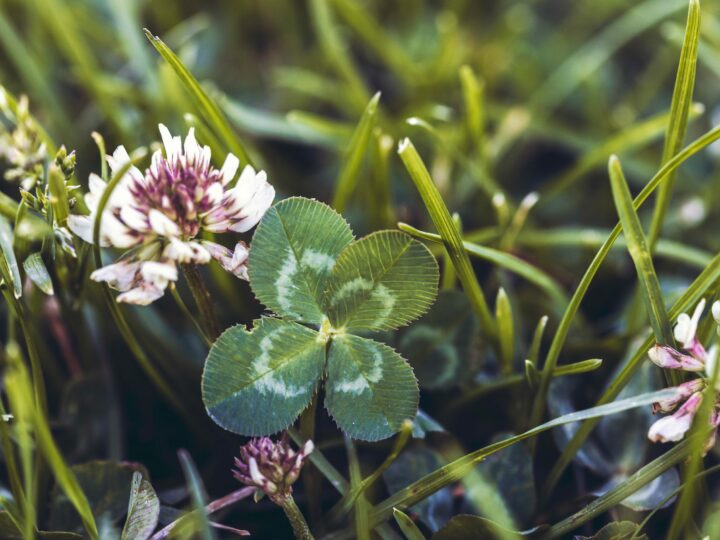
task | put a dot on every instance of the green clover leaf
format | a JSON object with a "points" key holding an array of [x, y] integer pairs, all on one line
{"points": [[306, 267]]}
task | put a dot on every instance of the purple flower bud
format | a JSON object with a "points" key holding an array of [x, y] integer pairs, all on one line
{"points": [[684, 391], [673, 428], [669, 358], [271, 466]]}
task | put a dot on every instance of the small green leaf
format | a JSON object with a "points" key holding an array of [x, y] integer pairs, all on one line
{"points": [[36, 271], [381, 282], [407, 526], [258, 382], [364, 375], [293, 252], [143, 510]]}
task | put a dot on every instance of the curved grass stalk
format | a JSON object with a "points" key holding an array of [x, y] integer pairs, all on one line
{"points": [[574, 305], [115, 311], [594, 238], [504, 260], [692, 295], [455, 471]]}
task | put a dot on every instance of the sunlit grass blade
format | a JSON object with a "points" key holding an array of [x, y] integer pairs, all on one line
{"points": [[679, 113], [37, 271], [354, 156], [209, 111], [19, 388], [640, 253], [474, 101], [506, 331], [451, 238], [587, 278], [504, 260]]}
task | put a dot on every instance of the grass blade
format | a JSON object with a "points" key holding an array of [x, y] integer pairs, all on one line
{"points": [[354, 155], [210, 112], [692, 295], [613, 497], [456, 470], [638, 248], [451, 238], [506, 332], [407, 526], [19, 388], [201, 523], [582, 287], [504, 260], [679, 113]]}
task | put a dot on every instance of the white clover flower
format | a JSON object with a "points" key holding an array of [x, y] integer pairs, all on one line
{"points": [[161, 213]]}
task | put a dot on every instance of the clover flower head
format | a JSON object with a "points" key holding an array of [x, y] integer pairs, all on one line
{"points": [[159, 215], [272, 467]]}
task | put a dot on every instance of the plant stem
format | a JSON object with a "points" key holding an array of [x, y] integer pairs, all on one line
{"points": [[210, 508], [183, 307], [201, 295], [296, 518]]}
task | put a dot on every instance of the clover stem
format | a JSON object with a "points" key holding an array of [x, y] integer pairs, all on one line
{"points": [[297, 520], [201, 295], [186, 310]]}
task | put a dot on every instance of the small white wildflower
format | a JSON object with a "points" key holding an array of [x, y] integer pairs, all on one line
{"points": [[686, 326]]}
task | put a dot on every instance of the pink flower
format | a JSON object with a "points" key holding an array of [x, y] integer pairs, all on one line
{"points": [[161, 213], [669, 358], [271, 466], [684, 391], [674, 427]]}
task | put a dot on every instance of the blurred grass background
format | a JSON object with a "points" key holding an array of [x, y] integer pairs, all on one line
{"points": [[499, 96]]}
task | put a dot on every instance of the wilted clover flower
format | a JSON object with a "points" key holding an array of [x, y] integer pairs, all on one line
{"points": [[688, 397], [22, 147], [272, 467], [160, 214]]}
